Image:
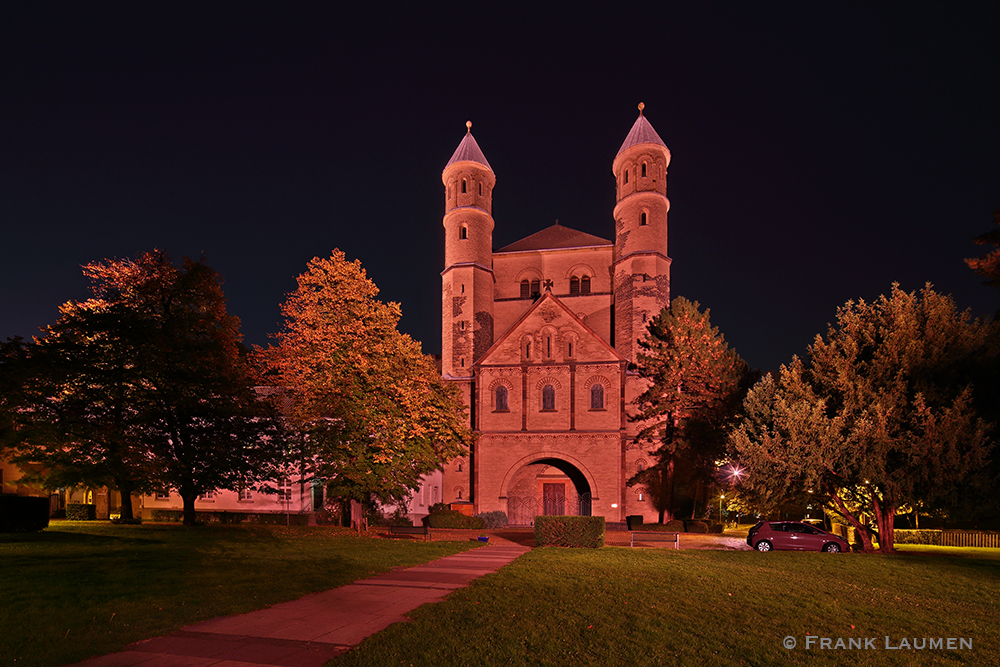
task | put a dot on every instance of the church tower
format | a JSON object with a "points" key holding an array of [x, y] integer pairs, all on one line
{"points": [[641, 267], [467, 281]]}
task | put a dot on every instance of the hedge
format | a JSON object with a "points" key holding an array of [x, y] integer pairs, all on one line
{"points": [[569, 531], [23, 514], [272, 518], [81, 512], [454, 519], [907, 536], [494, 520]]}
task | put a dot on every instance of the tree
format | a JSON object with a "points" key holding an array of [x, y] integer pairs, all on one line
{"points": [[988, 266], [879, 416], [142, 387], [372, 410], [696, 384]]}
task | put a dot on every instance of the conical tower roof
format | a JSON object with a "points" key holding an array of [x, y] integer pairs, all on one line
{"points": [[641, 133], [468, 150]]}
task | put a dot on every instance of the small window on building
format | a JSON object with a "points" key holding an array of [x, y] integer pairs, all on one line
{"points": [[525, 289], [585, 285], [162, 495], [462, 325], [458, 494], [644, 170], [597, 397], [569, 349], [480, 189], [245, 495], [574, 286], [284, 490], [459, 467], [463, 362], [548, 397], [463, 288], [536, 288], [548, 346], [463, 233], [208, 497], [626, 177], [643, 220], [463, 186], [527, 350], [501, 404]]}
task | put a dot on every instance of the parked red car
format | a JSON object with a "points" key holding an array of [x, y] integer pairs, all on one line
{"points": [[768, 535]]}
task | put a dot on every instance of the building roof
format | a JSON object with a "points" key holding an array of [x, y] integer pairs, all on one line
{"points": [[555, 236], [641, 133], [468, 151]]}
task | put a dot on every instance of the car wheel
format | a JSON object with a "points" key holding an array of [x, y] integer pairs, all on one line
{"points": [[763, 545], [831, 548]]}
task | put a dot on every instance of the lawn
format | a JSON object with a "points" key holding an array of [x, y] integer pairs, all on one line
{"points": [[617, 606], [80, 589]]}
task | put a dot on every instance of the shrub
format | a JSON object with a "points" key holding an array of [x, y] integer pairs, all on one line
{"points": [[922, 536], [675, 526], [23, 514], [171, 516], [569, 531], [696, 526], [494, 520], [716, 527], [454, 519], [634, 521], [81, 512], [134, 521]]}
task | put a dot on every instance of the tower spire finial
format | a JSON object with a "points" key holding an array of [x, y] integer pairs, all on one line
{"points": [[468, 126], [641, 107]]}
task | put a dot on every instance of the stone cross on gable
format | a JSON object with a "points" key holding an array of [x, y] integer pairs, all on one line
{"points": [[547, 284]]}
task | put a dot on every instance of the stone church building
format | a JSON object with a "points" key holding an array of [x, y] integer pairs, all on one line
{"points": [[540, 336]]}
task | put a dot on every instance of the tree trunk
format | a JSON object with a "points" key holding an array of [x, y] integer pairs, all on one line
{"points": [[189, 496], [866, 538], [668, 489], [885, 515], [125, 488]]}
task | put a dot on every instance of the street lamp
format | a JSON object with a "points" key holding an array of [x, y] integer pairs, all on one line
{"points": [[721, 496]]}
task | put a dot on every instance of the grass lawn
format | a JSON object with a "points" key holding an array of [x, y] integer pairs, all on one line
{"points": [[618, 606], [85, 588]]}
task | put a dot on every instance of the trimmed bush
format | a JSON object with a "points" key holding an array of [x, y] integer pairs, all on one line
{"points": [[81, 512], [494, 520], [274, 519], [696, 526], [675, 526], [922, 536], [716, 527], [569, 531], [134, 521], [23, 514], [454, 519]]}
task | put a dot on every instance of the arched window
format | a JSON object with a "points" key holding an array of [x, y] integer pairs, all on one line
{"points": [[597, 396], [585, 285], [527, 350], [574, 286], [548, 346], [643, 220], [525, 289], [644, 170], [463, 232], [548, 397], [626, 178], [536, 288], [501, 399], [480, 189], [463, 186]]}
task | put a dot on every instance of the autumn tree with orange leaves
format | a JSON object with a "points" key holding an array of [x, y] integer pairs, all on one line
{"points": [[371, 408]]}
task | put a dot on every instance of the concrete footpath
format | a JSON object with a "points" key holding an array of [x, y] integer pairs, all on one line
{"points": [[309, 631]]}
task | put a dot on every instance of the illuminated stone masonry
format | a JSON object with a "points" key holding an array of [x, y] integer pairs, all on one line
{"points": [[540, 335]]}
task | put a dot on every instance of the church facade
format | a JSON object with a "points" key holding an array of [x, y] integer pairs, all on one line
{"points": [[540, 336]]}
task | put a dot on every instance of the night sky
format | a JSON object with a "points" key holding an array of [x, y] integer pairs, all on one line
{"points": [[819, 152]]}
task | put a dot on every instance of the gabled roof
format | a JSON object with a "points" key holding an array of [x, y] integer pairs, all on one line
{"points": [[555, 236], [468, 151], [641, 133], [548, 298]]}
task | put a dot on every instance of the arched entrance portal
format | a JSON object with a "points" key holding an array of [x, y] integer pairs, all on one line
{"points": [[546, 486]]}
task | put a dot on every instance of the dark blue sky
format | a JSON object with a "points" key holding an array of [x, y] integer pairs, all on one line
{"points": [[820, 152]]}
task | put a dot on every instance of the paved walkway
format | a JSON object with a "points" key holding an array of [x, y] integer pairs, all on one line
{"points": [[309, 631]]}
